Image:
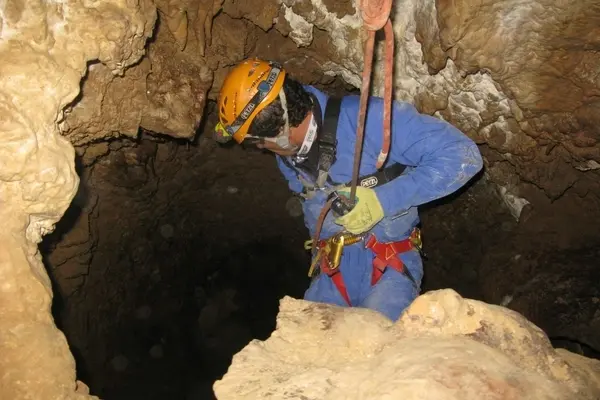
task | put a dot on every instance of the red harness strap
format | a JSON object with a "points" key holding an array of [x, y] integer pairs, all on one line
{"points": [[386, 255], [336, 277]]}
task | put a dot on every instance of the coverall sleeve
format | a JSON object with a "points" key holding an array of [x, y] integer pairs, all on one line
{"points": [[290, 175], [442, 157]]}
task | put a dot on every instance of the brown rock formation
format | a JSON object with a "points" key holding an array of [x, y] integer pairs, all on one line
{"points": [[443, 347], [44, 50]]}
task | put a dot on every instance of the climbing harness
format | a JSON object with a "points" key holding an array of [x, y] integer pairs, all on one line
{"points": [[329, 254], [378, 178], [330, 250], [386, 255]]}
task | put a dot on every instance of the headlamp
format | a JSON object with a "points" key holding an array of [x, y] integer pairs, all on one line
{"points": [[220, 134]]}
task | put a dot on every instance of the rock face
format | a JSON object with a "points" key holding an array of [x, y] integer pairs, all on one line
{"points": [[44, 48], [165, 92], [527, 93], [443, 347]]}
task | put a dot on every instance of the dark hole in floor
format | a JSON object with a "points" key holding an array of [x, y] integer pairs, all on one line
{"points": [[172, 257], [222, 311]]}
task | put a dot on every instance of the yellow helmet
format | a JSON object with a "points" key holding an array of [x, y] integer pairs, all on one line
{"points": [[248, 88]]}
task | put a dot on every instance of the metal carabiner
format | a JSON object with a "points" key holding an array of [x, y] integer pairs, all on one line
{"points": [[336, 247]]}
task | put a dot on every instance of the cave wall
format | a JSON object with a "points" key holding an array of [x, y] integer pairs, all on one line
{"points": [[159, 237], [525, 95], [44, 48], [542, 265], [517, 77]]}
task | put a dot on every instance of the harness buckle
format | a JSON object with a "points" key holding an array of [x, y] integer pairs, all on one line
{"points": [[330, 251]]}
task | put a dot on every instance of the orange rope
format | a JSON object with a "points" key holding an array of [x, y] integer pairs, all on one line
{"points": [[375, 15]]}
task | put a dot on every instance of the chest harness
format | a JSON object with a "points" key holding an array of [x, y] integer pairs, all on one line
{"points": [[316, 164]]}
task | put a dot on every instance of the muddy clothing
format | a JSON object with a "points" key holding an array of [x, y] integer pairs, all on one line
{"points": [[439, 158]]}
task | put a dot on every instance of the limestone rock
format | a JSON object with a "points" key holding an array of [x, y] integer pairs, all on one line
{"points": [[262, 13], [443, 347], [176, 90], [164, 93], [110, 106], [522, 91], [45, 48], [343, 33]]}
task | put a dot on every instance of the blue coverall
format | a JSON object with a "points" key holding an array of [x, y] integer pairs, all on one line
{"points": [[440, 160]]}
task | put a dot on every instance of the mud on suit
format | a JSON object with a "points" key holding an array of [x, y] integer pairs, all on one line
{"points": [[439, 159]]}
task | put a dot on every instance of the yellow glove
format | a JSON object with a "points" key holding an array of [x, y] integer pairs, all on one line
{"points": [[366, 213]]}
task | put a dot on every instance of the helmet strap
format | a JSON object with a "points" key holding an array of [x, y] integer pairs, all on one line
{"points": [[283, 139], [286, 119], [309, 139]]}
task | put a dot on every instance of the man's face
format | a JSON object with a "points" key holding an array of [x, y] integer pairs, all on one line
{"points": [[297, 134]]}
